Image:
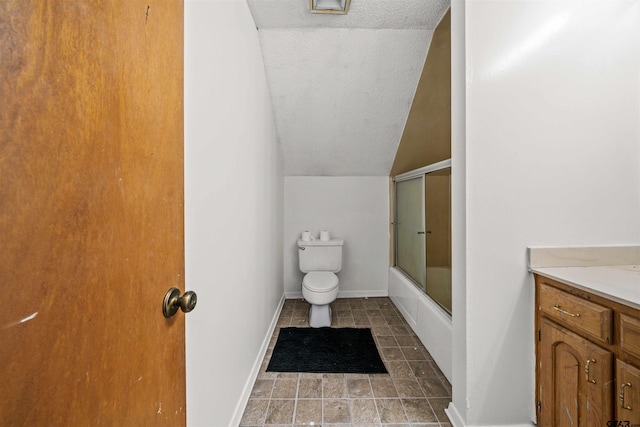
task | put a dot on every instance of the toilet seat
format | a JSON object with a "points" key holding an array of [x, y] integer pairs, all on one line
{"points": [[320, 281]]}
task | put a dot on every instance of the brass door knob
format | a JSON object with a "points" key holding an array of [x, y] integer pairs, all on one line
{"points": [[173, 301]]}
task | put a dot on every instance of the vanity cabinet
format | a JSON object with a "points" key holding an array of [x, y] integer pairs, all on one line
{"points": [[628, 381], [587, 358]]}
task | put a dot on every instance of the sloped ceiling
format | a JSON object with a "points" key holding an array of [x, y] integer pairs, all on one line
{"points": [[342, 85]]}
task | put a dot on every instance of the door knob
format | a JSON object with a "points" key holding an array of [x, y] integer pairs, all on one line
{"points": [[173, 301]]}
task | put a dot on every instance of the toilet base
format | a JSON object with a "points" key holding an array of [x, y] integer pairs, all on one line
{"points": [[320, 316]]}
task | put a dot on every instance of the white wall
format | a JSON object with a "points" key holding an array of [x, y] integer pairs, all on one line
{"points": [[233, 209], [355, 209], [550, 105]]}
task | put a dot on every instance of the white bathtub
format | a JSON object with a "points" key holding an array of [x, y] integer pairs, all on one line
{"points": [[428, 320]]}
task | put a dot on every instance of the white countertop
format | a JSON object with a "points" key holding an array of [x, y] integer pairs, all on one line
{"points": [[620, 283], [611, 272]]}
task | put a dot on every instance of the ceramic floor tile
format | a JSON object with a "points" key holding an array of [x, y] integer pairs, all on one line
{"points": [[391, 411], [399, 330], [255, 412], [399, 369], [387, 341], [336, 411], [406, 340], [359, 388], [396, 399], [422, 369], [377, 320], [438, 405], [413, 353], [418, 410], [310, 389], [383, 387], [364, 410], [334, 387], [288, 375], [284, 389], [361, 321], [309, 412], [262, 389], [433, 387], [280, 411], [394, 320], [310, 375], [381, 330], [408, 387], [392, 353]]}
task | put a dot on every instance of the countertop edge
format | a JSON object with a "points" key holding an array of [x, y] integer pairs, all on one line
{"points": [[564, 275], [583, 256]]}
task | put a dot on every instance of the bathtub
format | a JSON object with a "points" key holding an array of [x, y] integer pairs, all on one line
{"points": [[427, 319]]}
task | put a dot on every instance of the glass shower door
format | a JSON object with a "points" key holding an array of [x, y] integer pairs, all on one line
{"points": [[437, 186], [410, 237]]}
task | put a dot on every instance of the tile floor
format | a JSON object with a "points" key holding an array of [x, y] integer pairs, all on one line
{"points": [[413, 393]]}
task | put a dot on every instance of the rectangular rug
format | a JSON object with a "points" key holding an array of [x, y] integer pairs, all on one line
{"points": [[326, 350]]}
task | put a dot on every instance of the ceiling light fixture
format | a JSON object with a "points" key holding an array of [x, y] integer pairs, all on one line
{"points": [[340, 7]]}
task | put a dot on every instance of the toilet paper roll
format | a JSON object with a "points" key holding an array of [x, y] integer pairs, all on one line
{"points": [[324, 235], [306, 236]]}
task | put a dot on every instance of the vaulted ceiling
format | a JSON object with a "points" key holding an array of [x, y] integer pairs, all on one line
{"points": [[341, 86]]}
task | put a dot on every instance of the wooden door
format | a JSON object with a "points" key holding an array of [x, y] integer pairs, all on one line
{"points": [[628, 393], [91, 212], [567, 396]]}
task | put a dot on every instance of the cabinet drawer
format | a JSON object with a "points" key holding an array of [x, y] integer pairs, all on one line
{"points": [[630, 334], [590, 318]]}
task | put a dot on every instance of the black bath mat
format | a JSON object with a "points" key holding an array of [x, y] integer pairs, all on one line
{"points": [[326, 350]]}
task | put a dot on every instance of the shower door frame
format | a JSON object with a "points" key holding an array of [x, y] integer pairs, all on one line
{"points": [[416, 173]]}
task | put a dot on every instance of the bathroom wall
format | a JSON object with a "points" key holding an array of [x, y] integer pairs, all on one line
{"points": [[545, 151], [355, 209], [233, 209], [426, 138]]}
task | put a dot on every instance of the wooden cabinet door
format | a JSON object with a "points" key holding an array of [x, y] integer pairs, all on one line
{"points": [[575, 379], [91, 212], [628, 393]]}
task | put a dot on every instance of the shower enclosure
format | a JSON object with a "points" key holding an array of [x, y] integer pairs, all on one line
{"points": [[423, 230]]}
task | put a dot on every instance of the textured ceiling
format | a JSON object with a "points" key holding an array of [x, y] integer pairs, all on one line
{"points": [[342, 85]]}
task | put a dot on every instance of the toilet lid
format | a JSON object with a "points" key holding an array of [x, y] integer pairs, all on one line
{"points": [[320, 281]]}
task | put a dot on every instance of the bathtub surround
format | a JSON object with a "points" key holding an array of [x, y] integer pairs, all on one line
{"points": [[427, 319], [352, 208]]}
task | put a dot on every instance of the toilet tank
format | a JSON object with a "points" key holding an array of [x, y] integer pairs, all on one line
{"points": [[320, 255]]}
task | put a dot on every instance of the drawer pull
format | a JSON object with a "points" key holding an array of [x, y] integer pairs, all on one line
{"points": [[586, 371], [622, 396], [557, 307]]}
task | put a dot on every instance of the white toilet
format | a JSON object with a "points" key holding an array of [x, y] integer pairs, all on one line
{"points": [[320, 260]]}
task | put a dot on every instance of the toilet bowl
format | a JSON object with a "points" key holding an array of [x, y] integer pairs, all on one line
{"points": [[320, 260], [320, 288]]}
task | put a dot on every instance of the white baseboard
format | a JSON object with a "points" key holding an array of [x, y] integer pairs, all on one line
{"points": [[345, 294], [246, 392], [293, 295], [454, 415], [363, 294], [457, 421]]}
